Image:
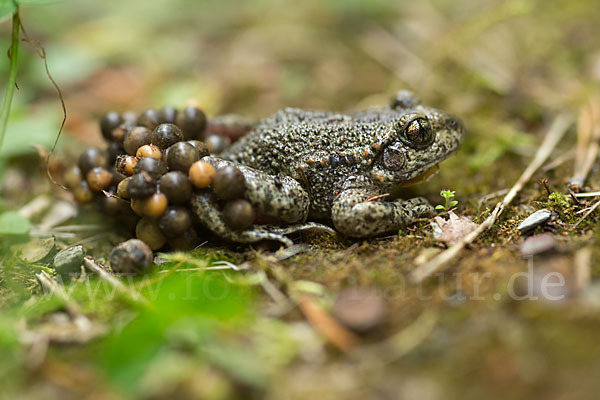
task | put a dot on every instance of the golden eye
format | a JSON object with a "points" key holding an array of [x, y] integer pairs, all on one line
{"points": [[418, 133]]}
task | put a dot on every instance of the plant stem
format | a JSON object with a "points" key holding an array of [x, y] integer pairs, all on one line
{"points": [[12, 76]]}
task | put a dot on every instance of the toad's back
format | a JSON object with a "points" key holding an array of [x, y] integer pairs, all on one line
{"points": [[286, 140]]}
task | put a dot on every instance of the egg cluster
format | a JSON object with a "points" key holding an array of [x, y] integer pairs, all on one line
{"points": [[150, 170]]}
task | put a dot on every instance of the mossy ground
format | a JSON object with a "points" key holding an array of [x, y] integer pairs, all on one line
{"points": [[506, 68]]}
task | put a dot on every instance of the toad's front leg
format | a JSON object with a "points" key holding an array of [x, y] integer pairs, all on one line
{"points": [[355, 215]]}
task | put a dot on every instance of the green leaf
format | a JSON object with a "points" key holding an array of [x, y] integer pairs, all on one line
{"points": [[36, 2], [452, 203], [13, 223], [34, 250], [439, 207], [24, 132], [7, 8]]}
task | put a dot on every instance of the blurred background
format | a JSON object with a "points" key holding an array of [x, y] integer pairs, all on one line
{"points": [[506, 68], [505, 60]]}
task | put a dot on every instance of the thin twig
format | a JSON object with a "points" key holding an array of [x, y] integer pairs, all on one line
{"points": [[394, 347], [324, 323], [492, 195], [583, 268], [13, 54], [558, 161], [555, 133], [588, 142], [274, 293], [588, 212], [588, 194], [53, 287], [114, 282], [41, 52], [378, 197], [79, 228]]}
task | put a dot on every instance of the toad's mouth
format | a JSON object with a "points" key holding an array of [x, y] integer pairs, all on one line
{"points": [[421, 177]]}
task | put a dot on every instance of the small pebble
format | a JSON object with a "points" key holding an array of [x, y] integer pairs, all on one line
{"points": [[131, 256], [360, 309], [534, 220], [538, 244], [68, 262]]}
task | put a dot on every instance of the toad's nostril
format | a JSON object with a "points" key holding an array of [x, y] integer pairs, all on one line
{"points": [[455, 124]]}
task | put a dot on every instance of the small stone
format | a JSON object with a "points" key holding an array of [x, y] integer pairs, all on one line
{"points": [[591, 296], [69, 261], [538, 244], [131, 256], [534, 220], [360, 309]]}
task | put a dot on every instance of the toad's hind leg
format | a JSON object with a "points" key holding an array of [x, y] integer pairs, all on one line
{"points": [[205, 207], [280, 197]]}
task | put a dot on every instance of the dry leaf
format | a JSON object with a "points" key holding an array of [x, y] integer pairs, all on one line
{"points": [[453, 229]]}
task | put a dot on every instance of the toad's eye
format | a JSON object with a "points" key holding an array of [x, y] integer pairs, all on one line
{"points": [[418, 133]]}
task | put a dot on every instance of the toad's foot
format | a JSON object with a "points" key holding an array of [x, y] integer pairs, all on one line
{"points": [[355, 215], [204, 206]]}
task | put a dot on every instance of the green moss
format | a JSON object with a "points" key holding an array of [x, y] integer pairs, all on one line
{"points": [[558, 201]]}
